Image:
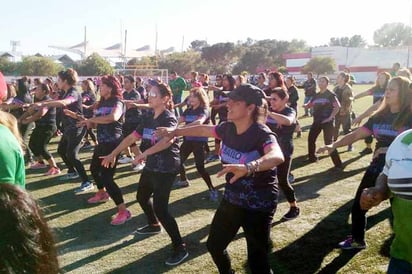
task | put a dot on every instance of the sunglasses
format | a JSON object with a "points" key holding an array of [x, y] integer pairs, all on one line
{"points": [[152, 94]]}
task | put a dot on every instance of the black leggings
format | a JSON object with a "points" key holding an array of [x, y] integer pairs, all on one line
{"points": [[160, 185], [91, 134], [283, 171], [225, 225], [103, 177], [328, 130], [68, 150], [368, 180], [198, 149], [40, 139], [25, 131]]}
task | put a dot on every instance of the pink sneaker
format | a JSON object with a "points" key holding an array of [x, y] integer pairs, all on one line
{"points": [[99, 197], [37, 165], [53, 171], [122, 217]]}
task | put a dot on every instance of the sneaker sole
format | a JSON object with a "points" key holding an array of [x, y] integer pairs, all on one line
{"points": [[147, 233], [128, 219], [178, 262], [98, 202]]}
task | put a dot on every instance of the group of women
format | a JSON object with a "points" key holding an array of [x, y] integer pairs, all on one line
{"points": [[253, 140]]}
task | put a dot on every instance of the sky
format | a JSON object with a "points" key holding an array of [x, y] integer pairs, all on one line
{"points": [[38, 24]]}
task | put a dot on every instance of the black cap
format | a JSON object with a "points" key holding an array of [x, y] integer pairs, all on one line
{"points": [[248, 93]]}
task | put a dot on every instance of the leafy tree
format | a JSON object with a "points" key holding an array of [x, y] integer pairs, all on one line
{"points": [[7, 67], [34, 65], [94, 65], [392, 35], [356, 41], [198, 45], [320, 65], [181, 62], [267, 53], [220, 56]]}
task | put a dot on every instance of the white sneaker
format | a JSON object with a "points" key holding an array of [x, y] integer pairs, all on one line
{"points": [[139, 167], [125, 160]]}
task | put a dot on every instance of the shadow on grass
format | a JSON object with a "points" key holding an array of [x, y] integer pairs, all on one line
{"points": [[154, 262], [308, 252]]}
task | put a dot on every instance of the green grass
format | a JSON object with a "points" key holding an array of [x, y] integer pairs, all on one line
{"points": [[87, 243]]}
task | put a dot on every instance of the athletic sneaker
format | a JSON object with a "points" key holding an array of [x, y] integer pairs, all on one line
{"points": [[292, 213], [139, 167], [53, 171], [121, 217], [350, 243], [179, 254], [212, 158], [99, 197], [149, 229], [124, 159], [299, 134], [69, 176], [350, 147], [37, 165], [291, 178], [213, 195], [85, 186], [179, 183]]}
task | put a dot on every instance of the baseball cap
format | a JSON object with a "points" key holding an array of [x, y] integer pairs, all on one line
{"points": [[248, 93], [3, 87]]}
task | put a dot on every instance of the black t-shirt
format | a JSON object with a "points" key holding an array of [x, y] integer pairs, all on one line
{"points": [[20, 99], [380, 126], [377, 93], [75, 105], [132, 115], [259, 192], [190, 115], [109, 133], [222, 111], [88, 99], [284, 133], [323, 104], [310, 87], [142, 92], [293, 97], [167, 160], [49, 119]]}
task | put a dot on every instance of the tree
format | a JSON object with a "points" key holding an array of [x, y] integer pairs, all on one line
{"points": [[7, 67], [220, 56], [392, 35], [94, 65], [181, 62], [198, 45], [356, 41], [320, 65], [36, 66]]}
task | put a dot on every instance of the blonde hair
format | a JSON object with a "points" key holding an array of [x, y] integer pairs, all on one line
{"points": [[405, 99], [201, 94], [9, 121]]}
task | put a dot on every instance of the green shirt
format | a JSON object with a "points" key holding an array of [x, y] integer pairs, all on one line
{"points": [[11, 159], [178, 86], [398, 168]]}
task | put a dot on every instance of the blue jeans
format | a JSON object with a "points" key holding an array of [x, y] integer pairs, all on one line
{"points": [[305, 101], [397, 266]]}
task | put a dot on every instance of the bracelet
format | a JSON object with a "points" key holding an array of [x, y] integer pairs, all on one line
{"points": [[252, 167]]}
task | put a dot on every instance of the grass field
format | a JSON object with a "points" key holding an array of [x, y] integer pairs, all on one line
{"points": [[87, 243]]}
